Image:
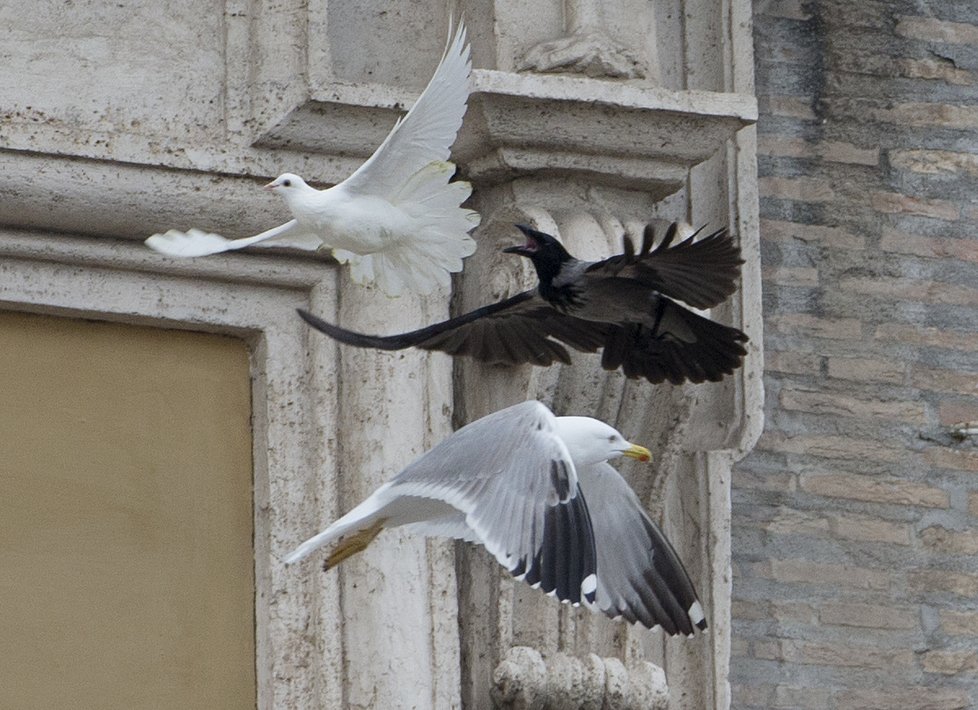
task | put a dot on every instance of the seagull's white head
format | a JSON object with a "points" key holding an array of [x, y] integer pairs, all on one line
{"points": [[286, 184], [590, 441]]}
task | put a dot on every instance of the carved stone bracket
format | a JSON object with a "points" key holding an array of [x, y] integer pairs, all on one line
{"points": [[592, 53], [527, 679]]}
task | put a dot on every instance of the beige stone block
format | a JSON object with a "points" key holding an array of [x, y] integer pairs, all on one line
{"points": [[872, 616], [927, 335], [862, 528], [835, 447], [847, 655], [794, 363], [804, 698], [950, 662], [955, 381], [952, 411], [787, 106], [872, 489], [816, 326], [861, 369], [921, 114], [952, 542], [802, 189], [899, 242], [949, 458], [765, 481], [959, 623], [915, 698], [790, 276], [825, 573], [837, 152], [933, 162], [922, 581], [934, 30], [748, 610], [935, 69], [794, 613], [896, 203], [788, 9], [833, 237], [911, 290], [836, 403], [767, 650]]}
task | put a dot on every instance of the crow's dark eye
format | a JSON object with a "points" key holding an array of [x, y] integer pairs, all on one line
{"points": [[287, 183]]}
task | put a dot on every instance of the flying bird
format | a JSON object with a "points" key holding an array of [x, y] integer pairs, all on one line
{"points": [[537, 492], [624, 305], [397, 220]]}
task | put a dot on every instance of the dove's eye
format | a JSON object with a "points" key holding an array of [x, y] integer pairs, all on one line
{"points": [[287, 183]]}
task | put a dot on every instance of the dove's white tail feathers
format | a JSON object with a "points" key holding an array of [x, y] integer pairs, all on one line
{"points": [[439, 239], [196, 242]]}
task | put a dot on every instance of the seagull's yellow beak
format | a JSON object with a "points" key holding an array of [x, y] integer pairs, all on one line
{"points": [[271, 185], [637, 452]]}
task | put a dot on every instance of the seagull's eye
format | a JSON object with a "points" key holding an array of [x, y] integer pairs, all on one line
{"points": [[286, 183], [612, 438]]}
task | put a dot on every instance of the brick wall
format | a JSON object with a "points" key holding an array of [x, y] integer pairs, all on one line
{"points": [[855, 521]]}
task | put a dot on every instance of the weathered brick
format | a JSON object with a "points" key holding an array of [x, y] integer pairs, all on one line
{"points": [[940, 539], [790, 276], [788, 612], [950, 662], [805, 324], [804, 698], [793, 362], [847, 655], [896, 203], [824, 573], [835, 447], [834, 237], [823, 402], [959, 623], [934, 30], [830, 151], [933, 162], [927, 581], [871, 616], [953, 411], [802, 189], [873, 489], [766, 481], [911, 290], [927, 335], [951, 459], [863, 369], [939, 69], [973, 503], [866, 529], [739, 647], [788, 9], [913, 698], [749, 610], [921, 114], [954, 381], [787, 106], [899, 242]]}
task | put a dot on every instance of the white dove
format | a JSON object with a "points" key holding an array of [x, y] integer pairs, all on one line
{"points": [[397, 220]]}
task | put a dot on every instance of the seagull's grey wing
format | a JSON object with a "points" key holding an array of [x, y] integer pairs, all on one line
{"points": [[513, 479], [675, 345], [426, 132], [640, 576], [518, 330], [701, 272]]}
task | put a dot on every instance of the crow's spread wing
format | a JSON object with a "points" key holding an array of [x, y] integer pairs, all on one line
{"points": [[701, 273]]}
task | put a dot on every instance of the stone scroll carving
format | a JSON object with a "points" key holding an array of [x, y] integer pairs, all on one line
{"points": [[529, 680]]}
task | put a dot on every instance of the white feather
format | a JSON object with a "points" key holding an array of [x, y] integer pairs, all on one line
{"points": [[397, 219]]}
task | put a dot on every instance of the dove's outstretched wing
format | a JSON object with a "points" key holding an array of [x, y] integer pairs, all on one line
{"points": [[425, 135]]}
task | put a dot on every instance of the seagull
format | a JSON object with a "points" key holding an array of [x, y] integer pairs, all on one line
{"points": [[396, 220], [624, 304], [537, 492]]}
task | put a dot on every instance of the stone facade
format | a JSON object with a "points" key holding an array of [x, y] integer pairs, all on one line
{"points": [[854, 523], [587, 118]]}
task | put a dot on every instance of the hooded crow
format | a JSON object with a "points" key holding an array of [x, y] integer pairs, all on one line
{"points": [[625, 305]]}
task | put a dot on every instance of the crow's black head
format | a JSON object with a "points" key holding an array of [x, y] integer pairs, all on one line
{"points": [[546, 253]]}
